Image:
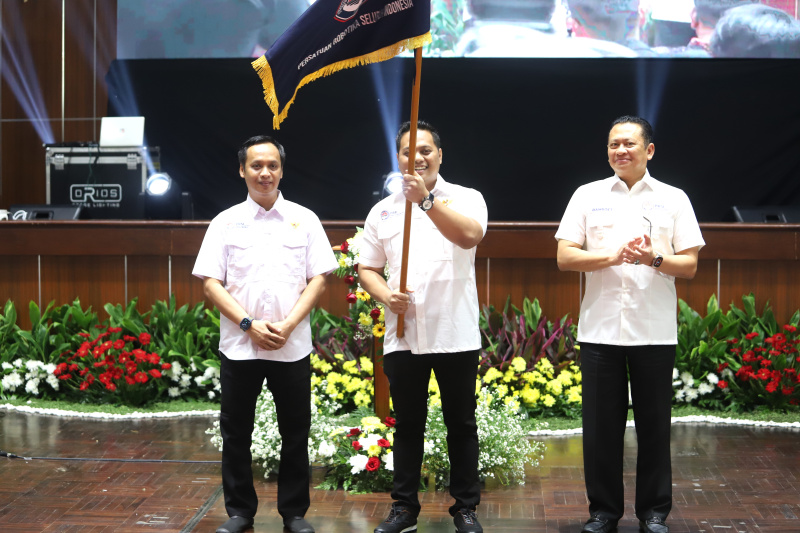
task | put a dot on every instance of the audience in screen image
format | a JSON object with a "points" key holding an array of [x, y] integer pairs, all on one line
{"points": [[757, 31], [617, 21]]}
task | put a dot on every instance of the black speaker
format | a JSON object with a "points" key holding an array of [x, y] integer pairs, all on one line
{"points": [[780, 214], [44, 212]]}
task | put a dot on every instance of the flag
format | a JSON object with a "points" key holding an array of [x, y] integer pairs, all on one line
{"points": [[332, 35]]}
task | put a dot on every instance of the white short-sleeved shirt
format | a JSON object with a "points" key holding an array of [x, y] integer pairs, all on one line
{"points": [[629, 304], [264, 259], [443, 317]]}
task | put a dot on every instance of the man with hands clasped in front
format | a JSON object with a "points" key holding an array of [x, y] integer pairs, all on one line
{"points": [[632, 235], [441, 322]]}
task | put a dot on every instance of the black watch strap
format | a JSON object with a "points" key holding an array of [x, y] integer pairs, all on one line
{"points": [[426, 202], [246, 323]]}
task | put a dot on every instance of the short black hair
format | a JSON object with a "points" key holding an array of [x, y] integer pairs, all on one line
{"points": [[421, 125], [710, 11], [756, 30], [260, 139], [644, 126]]}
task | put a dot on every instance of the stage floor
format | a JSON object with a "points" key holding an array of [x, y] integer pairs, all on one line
{"points": [[89, 475]]}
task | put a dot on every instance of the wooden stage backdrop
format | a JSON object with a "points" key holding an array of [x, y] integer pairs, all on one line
{"points": [[115, 261]]}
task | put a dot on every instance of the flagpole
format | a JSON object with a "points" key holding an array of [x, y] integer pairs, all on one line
{"points": [[412, 150]]}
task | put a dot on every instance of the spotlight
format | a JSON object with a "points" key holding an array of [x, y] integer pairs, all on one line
{"points": [[392, 183], [158, 184]]}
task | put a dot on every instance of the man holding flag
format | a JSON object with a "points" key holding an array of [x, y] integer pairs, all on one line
{"points": [[441, 322]]}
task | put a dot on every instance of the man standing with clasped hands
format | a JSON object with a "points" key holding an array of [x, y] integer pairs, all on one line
{"points": [[632, 235]]}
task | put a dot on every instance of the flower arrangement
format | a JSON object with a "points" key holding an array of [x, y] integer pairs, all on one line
{"points": [[768, 371], [112, 366], [341, 386], [359, 459], [539, 390]]}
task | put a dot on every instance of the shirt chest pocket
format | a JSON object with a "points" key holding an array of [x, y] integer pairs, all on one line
{"points": [[242, 255], [662, 232], [599, 228], [290, 261]]}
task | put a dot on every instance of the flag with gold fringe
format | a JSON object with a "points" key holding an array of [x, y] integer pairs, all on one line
{"points": [[332, 35]]}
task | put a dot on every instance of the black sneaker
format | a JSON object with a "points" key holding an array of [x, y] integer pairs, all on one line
{"points": [[466, 521], [400, 520]]}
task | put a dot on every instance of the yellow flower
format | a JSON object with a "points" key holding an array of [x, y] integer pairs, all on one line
{"points": [[548, 400], [512, 402], [362, 295], [378, 330], [366, 365], [519, 364], [374, 451], [369, 423], [342, 264], [491, 375], [362, 400], [530, 396], [382, 318], [574, 394], [338, 356], [502, 391], [554, 386], [350, 366], [364, 319], [509, 375]]}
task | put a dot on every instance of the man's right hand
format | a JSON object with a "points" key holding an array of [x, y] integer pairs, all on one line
{"points": [[399, 302], [266, 335]]}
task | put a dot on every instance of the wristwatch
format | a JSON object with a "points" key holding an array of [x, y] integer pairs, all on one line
{"points": [[246, 323], [657, 260], [426, 202]]}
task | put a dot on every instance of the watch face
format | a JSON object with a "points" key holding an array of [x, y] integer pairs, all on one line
{"points": [[427, 204], [657, 261]]}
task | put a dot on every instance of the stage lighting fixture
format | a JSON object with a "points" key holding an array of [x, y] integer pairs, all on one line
{"points": [[392, 183], [158, 184]]}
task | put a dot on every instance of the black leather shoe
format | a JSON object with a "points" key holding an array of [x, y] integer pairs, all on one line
{"points": [[466, 521], [653, 525], [236, 524], [297, 524], [599, 525], [400, 520]]}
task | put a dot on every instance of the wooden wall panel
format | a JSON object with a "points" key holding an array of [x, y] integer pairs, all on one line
{"points": [[19, 282], [558, 292], [148, 280], [697, 291], [79, 59], [188, 289], [23, 178], [96, 280], [773, 281]]}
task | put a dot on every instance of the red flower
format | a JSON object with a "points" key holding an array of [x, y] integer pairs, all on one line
{"points": [[144, 338], [789, 328], [65, 376], [156, 373], [84, 385], [383, 443], [154, 358], [165, 366], [355, 267], [375, 314], [349, 280], [751, 336], [119, 344], [787, 391], [351, 298], [373, 464], [60, 369], [390, 422], [722, 384], [84, 335], [345, 247], [114, 330], [141, 377], [772, 386], [748, 356], [129, 380], [722, 367], [129, 338], [110, 386], [765, 362], [354, 432], [357, 445], [764, 374]]}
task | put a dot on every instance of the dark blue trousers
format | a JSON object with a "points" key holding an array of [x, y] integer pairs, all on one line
{"points": [[290, 385], [409, 375], [605, 370]]}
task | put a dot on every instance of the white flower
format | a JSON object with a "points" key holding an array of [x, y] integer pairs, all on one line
{"points": [[358, 462], [211, 394], [369, 440], [705, 388], [712, 378], [687, 378], [428, 446], [12, 381], [186, 379], [348, 261], [211, 372], [49, 368], [679, 394], [674, 373], [32, 386], [388, 461], [52, 380], [33, 365], [326, 449], [18, 363], [198, 380], [6, 366], [691, 394], [173, 392]]}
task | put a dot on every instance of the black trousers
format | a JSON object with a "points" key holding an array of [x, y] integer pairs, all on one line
{"points": [[290, 386], [409, 375], [605, 369]]}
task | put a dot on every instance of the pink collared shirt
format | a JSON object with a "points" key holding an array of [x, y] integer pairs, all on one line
{"points": [[264, 259], [443, 317], [629, 304]]}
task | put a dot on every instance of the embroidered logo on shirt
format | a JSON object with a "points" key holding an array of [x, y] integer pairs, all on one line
{"points": [[446, 202], [294, 225]]}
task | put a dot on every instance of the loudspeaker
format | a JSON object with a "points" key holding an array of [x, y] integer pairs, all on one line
{"points": [[780, 214], [44, 212]]}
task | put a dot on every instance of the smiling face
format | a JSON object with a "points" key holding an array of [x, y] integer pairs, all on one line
{"points": [[262, 171], [627, 153], [427, 158]]}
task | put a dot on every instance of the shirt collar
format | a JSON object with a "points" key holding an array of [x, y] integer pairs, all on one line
{"points": [[279, 207], [646, 181]]}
